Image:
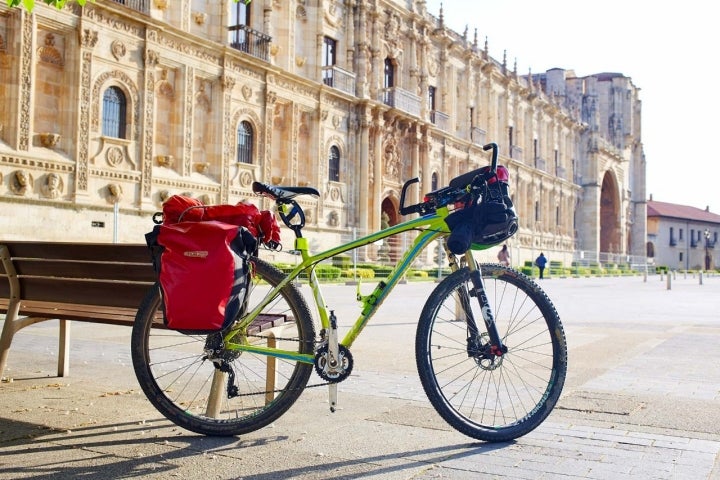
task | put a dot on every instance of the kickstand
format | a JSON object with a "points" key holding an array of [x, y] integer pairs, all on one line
{"points": [[333, 358], [333, 396]]}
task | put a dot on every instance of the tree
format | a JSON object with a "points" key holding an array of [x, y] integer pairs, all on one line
{"points": [[30, 4]]}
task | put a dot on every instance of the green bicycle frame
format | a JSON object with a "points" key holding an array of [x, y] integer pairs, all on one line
{"points": [[430, 227]]}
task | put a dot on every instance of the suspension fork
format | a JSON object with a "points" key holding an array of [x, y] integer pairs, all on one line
{"points": [[496, 346]]}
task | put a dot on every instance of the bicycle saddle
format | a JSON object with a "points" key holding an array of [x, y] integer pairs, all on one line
{"points": [[282, 193]]}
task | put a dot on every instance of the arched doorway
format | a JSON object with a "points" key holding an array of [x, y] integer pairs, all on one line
{"points": [[609, 215], [389, 251]]}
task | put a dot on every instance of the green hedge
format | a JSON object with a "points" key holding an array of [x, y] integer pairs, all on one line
{"points": [[358, 273]]}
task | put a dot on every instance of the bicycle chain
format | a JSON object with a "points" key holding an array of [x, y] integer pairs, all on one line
{"points": [[226, 367]]}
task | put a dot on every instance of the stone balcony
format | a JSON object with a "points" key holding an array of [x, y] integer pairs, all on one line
{"points": [[338, 78], [402, 100]]}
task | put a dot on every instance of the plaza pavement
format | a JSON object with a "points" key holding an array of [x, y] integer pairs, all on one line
{"points": [[642, 401]]}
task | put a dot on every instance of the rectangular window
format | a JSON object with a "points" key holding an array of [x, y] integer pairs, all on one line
{"points": [[389, 77], [237, 29], [431, 98], [328, 60], [328, 52], [681, 256], [680, 234]]}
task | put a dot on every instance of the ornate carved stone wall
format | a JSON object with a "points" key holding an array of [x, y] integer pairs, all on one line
{"points": [[400, 96]]}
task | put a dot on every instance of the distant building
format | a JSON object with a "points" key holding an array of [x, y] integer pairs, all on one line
{"points": [[114, 106], [682, 237]]}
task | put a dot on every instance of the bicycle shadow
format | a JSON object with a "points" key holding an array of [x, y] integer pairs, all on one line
{"points": [[157, 448], [51, 445], [379, 465]]}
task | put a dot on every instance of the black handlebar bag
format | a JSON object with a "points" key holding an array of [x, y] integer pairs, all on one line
{"points": [[486, 219], [203, 271]]}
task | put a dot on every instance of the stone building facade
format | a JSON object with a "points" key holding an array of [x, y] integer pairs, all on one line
{"points": [[110, 108], [682, 237]]}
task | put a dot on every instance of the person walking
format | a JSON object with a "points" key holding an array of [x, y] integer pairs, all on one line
{"points": [[541, 261], [504, 256]]}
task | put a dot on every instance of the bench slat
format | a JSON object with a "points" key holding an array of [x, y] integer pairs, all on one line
{"points": [[135, 272], [65, 290], [108, 252]]}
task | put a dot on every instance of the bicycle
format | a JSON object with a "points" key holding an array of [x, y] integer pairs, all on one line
{"points": [[490, 348]]}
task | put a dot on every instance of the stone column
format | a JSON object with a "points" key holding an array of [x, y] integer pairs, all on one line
{"points": [[188, 119], [227, 82], [88, 39], [377, 180], [265, 157], [147, 139], [26, 72], [364, 152]]}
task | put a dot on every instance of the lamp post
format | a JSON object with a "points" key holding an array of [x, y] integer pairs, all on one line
{"points": [[707, 255]]}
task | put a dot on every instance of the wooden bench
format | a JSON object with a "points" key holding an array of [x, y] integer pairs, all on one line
{"points": [[100, 283]]}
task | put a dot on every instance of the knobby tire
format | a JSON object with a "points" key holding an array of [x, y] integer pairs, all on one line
{"points": [[501, 400], [177, 377]]}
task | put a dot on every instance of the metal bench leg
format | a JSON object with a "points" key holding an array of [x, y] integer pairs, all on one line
{"points": [[216, 394], [8, 332], [12, 325], [64, 349], [270, 374]]}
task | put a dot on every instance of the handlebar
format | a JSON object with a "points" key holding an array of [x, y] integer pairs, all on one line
{"points": [[455, 191]]}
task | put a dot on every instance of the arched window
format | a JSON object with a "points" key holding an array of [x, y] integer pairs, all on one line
{"points": [[244, 143], [434, 182], [334, 164], [114, 113]]}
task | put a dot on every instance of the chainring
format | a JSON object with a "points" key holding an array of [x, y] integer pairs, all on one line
{"points": [[325, 371]]}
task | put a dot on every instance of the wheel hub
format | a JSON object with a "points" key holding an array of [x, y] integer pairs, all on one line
{"points": [[484, 353]]}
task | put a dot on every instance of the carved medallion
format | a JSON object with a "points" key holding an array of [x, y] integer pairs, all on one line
{"points": [[118, 50], [114, 156]]}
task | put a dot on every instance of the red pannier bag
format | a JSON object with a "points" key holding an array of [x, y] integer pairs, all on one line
{"points": [[203, 263]]}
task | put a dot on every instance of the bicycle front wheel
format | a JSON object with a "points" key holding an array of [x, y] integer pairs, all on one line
{"points": [[491, 398], [198, 384]]}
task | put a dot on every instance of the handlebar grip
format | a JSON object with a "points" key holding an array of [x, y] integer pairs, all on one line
{"points": [[403, 210], [494, 148]]}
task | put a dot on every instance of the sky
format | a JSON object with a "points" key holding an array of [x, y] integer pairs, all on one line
{"points": [[667, 49]]}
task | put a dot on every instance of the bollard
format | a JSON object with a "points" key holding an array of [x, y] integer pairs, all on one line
{"points": [[669, 281], [661, 275], [645, 276], [700, 275]]}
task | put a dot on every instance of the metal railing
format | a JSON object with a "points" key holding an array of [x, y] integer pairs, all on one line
{"points": [[402, 100], [250, 41], [139, 5], [478, 136], [516, 153], [336, 77], [440, 119]]}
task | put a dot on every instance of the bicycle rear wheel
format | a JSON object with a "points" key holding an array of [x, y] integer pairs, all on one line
{"points": [[496, 399], [236, 393]]}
